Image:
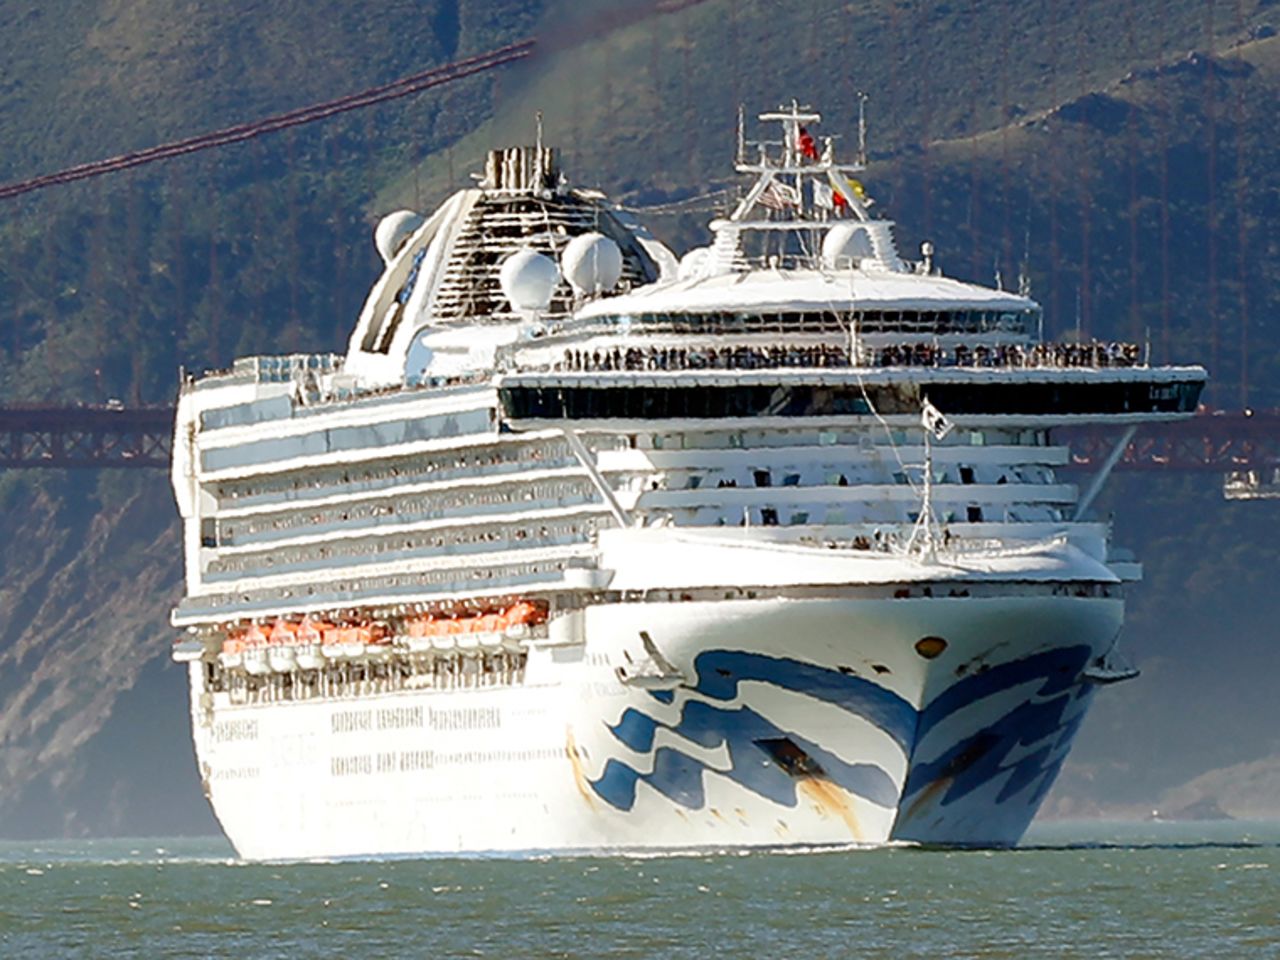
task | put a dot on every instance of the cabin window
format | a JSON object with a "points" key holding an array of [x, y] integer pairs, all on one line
{"points": [[974, 514], [763, 478], [966, 474], [768, 516], [791, 480]]}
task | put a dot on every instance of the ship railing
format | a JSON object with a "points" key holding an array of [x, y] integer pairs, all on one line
{"points": [[944, 322], [702, 358], [1093, 355]]}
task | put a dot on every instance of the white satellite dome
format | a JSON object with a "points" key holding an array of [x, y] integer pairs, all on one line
{"points": [[666, 262], [693, 263], [592, 263], [846, 243], [393, 230], [528, 280]]}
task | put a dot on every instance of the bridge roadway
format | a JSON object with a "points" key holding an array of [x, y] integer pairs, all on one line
{"points": [[85, 436], [1216, 441]]}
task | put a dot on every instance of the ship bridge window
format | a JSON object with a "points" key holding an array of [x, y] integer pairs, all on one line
{"points": [[799, 399], [825, 321]]}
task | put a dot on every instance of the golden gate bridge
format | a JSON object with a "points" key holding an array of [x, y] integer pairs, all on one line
{"points": [[1215, 441]]}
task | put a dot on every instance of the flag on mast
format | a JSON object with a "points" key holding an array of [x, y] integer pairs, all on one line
{"points": [[779, 196], [933, 420]]}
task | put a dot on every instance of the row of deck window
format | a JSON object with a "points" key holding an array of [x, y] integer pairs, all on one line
{"points": [[528, 495], [472, 538], [378, 474]]}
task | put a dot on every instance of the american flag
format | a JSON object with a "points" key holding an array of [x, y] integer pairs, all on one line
{"points": [[779, 196]]}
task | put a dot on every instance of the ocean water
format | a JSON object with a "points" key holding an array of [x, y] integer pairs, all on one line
{"points": [[1073, 890]]}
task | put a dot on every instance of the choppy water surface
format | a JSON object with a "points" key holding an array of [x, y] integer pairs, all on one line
{"points": [[1078, 890]]}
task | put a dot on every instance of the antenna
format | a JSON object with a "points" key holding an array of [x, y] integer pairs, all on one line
{"points": [[742, 134], [862, 128], [1024, 280], [537, 119], [1024, 268]]}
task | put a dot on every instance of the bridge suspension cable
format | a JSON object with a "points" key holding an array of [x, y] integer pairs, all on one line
{"points": [[405, 86]]}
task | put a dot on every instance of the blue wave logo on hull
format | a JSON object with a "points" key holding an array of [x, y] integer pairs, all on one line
{"points": [[741, 730], [952, 775]]}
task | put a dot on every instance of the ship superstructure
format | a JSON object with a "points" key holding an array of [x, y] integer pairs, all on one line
{"points": [[583, 548]]}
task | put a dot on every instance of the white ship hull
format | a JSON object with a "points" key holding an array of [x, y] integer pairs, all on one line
{"points": [[785, 722]]}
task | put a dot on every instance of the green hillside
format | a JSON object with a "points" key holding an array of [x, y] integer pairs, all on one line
{"points": [[1134, 183]]}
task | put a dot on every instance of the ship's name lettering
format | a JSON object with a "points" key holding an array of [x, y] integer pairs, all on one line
{"points": [[466, 718], [351, 766], [399, 718], [225, 731], [236, 773], [351, 721]]}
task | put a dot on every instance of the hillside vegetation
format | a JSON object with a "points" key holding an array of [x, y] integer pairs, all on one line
{"points": [[1034, 136]]}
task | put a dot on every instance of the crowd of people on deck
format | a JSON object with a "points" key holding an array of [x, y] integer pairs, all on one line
{"points": [[1092, 354], [704, 358]]}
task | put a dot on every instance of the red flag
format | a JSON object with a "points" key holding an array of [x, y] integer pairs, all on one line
{"points": [[808, 147]]}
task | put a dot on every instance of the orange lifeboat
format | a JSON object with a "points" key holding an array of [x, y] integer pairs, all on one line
{"points": [[234, 640], [282, 632], [525, 612], [310, 632]]}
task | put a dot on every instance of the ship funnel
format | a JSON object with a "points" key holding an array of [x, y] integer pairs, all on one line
{"points": [[525, 169]]}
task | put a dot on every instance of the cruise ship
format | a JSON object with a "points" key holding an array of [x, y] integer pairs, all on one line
{"points": [[584, 547]]}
